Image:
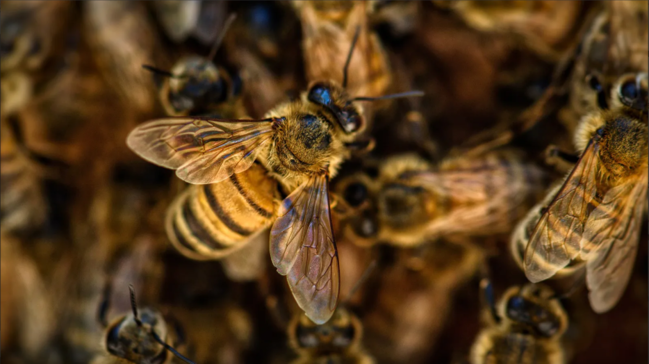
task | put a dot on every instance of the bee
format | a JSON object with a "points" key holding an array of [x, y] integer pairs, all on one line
{"points": [[22, 207], [298, 145], [595, 215], [525, 327], [196, 86], [328, 28], [410, 202], [336, 341], [139, 337], [121, 38]]}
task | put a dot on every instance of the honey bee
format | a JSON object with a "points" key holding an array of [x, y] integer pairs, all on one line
{"points": [[139, 337], [196, 86], [525, 327], [595, 216], [410, 202], [299, 145], [336, 341], [22, 200], [328, 28]]}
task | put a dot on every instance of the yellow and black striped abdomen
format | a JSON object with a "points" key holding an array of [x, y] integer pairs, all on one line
{"points": [[211, 221]]}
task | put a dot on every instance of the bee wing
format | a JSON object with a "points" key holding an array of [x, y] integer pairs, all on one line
{"points": [[302, 247], [556, 239], [202, 151], [616, 222]]}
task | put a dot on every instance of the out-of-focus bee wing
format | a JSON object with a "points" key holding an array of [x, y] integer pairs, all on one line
{"points": [[202, 151], [302, 247], [609, 268], [556, 239]]}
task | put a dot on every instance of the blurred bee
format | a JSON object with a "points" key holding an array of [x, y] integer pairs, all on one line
{"points": [[22, 206], [525, 327], [196, 86], [142, 337], [548, 27], [336, 341], [595, 216], [299, 144], [122, 38], [328, 28], [410, 202]]}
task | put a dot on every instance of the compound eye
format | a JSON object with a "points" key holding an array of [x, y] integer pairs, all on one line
{"points": [[320, 94], [355, 194], [629, 90]]}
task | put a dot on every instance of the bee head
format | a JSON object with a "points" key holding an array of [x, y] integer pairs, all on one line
{"points": [[339, 333], [534, 308], [336, 101], [632, 91], [128, 339], [197, 84]]}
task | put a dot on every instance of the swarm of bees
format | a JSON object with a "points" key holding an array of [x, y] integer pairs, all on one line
{"points": [[457, 182]]}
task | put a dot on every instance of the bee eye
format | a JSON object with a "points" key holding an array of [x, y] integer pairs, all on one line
{"points": [[629, 90], [320, 95], [355, 194]]}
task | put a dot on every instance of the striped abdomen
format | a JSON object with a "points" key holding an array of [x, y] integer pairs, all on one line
{"points": [[211, 221]]}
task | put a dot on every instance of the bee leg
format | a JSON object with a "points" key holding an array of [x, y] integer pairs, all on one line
{"points": [[594, 83], [488, 298], [561, 160], [361, 146]]}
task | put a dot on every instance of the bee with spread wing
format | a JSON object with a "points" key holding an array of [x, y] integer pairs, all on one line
{"points": [[301, 144], [596, 214]]}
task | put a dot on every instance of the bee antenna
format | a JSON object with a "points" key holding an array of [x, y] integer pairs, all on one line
{"points": [[488, 297], [160, 72], [392, 96], [217, 44], [361, 280], [349, 56], [134, 305], [593, 82], [170, 348]]}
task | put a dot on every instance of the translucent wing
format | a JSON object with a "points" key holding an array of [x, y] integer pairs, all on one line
{"points": [[616, 223], [556, 239], [202, 151], [302, 248]]}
